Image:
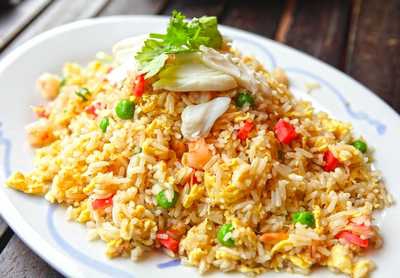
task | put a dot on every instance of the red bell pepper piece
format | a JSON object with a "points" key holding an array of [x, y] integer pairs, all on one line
{"points": [[91, 109], [245, 130], [331, 162], [353, 239], [285, 132], [168, 240], [102, 203], [139, 88]]}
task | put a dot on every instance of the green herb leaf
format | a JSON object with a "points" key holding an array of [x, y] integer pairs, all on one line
{"points": [[182, 36], [83, 93], [154, 66]]}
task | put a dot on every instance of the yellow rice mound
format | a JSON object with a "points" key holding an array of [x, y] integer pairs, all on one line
{"points": [[255, 184]]}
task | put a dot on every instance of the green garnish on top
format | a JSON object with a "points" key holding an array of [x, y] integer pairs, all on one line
{"points": [[182, 36]]}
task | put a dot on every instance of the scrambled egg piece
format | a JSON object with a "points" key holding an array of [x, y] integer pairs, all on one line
{"points": [[25, 184], [339, 129], [301, 261], [222, 254], [362, 268], [283, 245], [150, 147], [196, 255], [317, 215], [196, 192], [341, 259]]}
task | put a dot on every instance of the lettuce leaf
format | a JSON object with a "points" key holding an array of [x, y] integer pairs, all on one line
{"points": [[188, 73]]}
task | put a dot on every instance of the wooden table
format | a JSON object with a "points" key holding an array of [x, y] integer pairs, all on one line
{"points": [[359, 37]]}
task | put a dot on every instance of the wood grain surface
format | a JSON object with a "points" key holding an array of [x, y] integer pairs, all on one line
{"points": [[373, 56], [359, 37], [319, 28]]}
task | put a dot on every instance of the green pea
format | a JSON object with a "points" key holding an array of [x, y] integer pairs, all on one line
{"points": [[125, 109], [104, 124], [243, 99], [223, 236], [83, 93], [163, 201], [360, 145], [305, 218]]}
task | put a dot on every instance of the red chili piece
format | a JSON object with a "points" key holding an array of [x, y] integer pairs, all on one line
{"points": [[139, 88], [102, 203], [331, 162], [194, 178], [245, 130], [285, 132], [353, 239], [166, 240], [91, 109]]}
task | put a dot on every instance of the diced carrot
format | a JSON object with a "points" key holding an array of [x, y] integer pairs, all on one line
{"points": [[102, 203], [273, 237], [199, 154]]}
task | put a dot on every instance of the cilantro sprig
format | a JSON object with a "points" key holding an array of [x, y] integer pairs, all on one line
{"points": [[182, 36]]}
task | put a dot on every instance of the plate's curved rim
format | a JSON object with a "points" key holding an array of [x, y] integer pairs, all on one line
{"points": [[65, 264]]}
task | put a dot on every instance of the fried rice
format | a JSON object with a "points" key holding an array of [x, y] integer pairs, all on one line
{"points": [[255, 184]]}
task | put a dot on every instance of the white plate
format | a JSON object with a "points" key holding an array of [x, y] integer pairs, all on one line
{"points": [[63, 244]]}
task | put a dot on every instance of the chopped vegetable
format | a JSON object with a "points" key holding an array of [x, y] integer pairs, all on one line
{"points": [[91, 109], [102, 203], [83, 93], [304, 217], [104, 124], [245, 130], [189, 73], [353, 239], [139, 87], [244, 99], [224, 235], [125, 109], [168, 240], [199, 154], [164, 202], [63, 82], [331, 162], [273, 237], [285, 132], [360, 145], [181, 36], [192, 179]]}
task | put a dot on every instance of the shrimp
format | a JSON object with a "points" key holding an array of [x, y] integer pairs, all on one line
{"points": [[49, 85], [199, 154], [40, 133]]}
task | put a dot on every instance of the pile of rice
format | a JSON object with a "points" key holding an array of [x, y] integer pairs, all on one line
{"points": [[255, 184]]}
